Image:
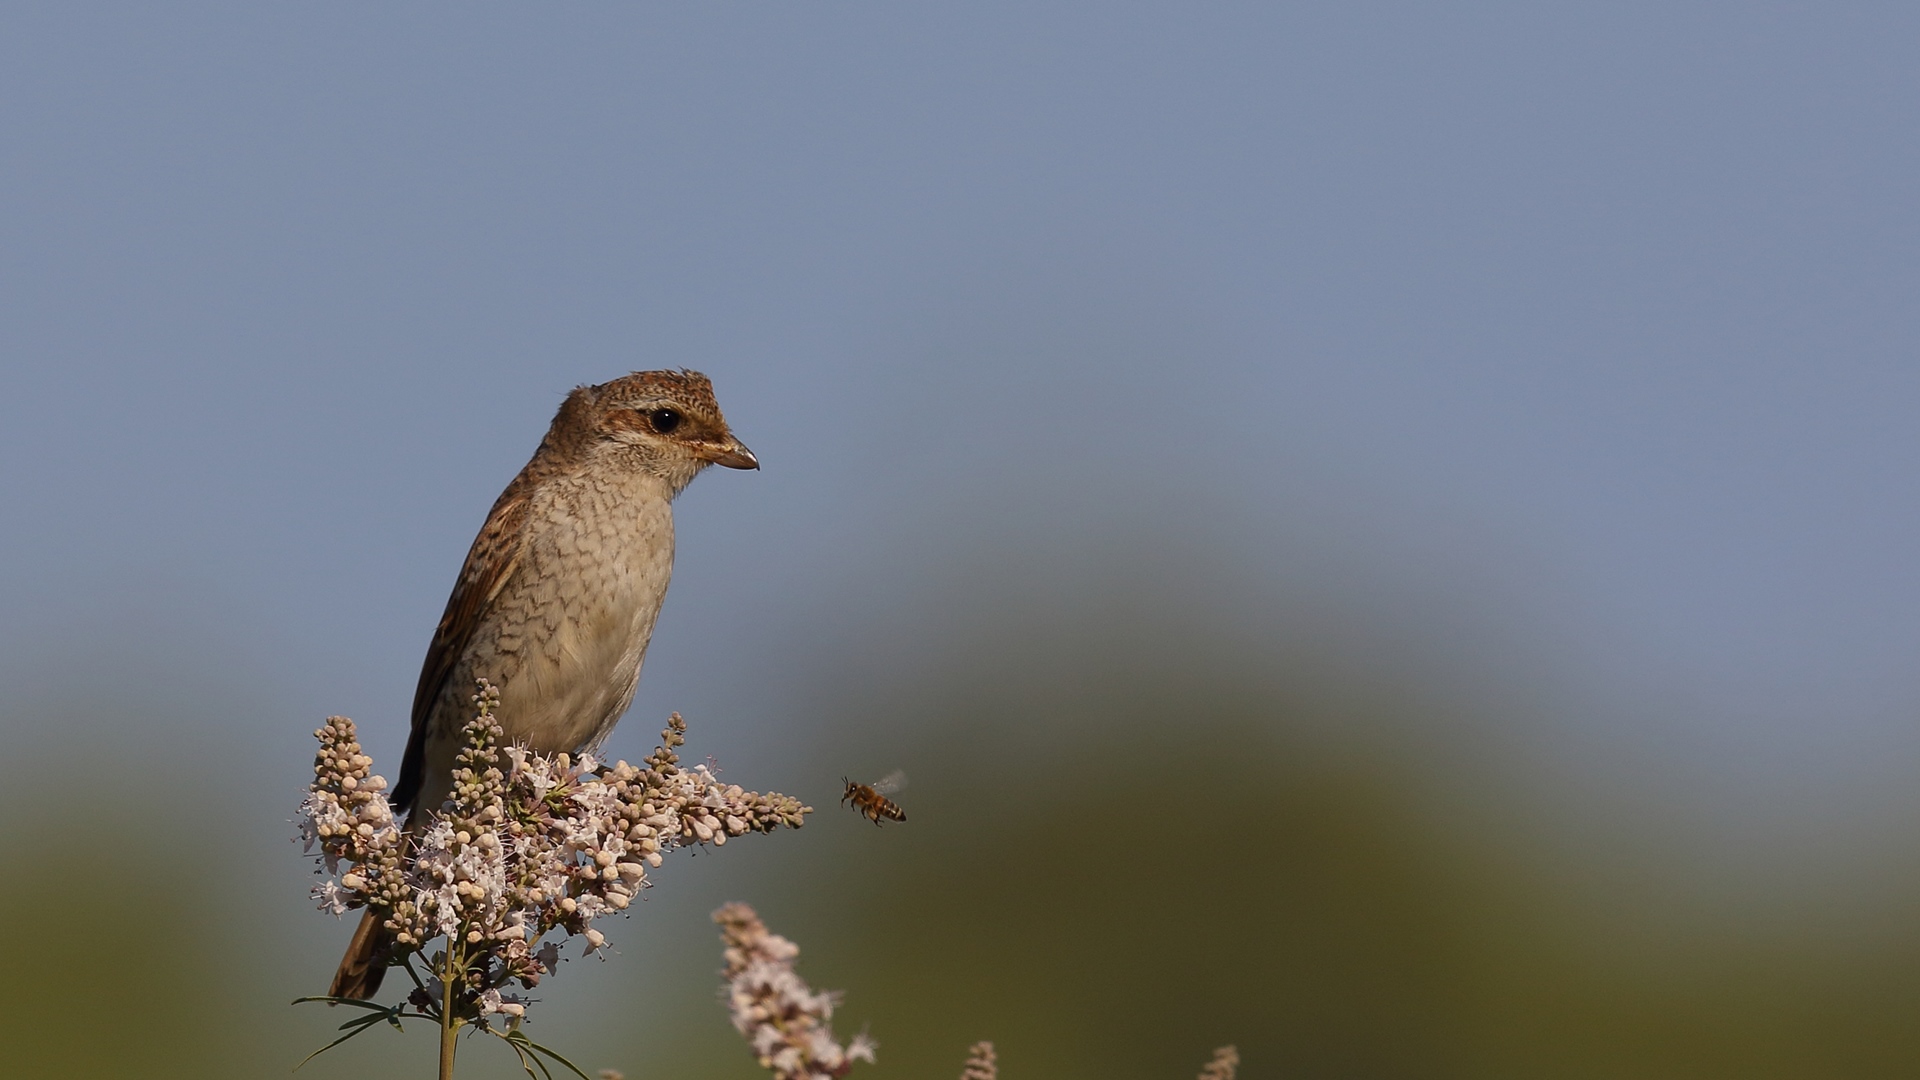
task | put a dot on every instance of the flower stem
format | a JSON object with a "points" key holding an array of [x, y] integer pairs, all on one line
{"points": [[448, 1028]]}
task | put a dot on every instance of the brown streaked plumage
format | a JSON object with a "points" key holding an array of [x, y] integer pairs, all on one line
{"points": [[559, 593]]}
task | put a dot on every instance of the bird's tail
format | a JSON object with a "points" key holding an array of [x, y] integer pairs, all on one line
{"points": [[366, 960]]}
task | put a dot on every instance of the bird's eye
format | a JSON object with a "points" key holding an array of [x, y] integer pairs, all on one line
{"points": [[663, 420]]}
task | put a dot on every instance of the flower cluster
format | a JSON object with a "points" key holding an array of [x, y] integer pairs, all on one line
{"points": [[786, 1022], [526, 845], [348, 817], [981, 1064], [1225, 1061]]}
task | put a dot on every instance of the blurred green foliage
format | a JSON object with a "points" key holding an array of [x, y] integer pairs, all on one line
{"points": [[1124, 849], [111, 978]]}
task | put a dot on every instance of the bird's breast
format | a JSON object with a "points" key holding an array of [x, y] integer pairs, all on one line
{"points": [[572, 624]]}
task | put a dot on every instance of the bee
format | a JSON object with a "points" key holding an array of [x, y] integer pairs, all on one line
{"points": [[871, 800]]}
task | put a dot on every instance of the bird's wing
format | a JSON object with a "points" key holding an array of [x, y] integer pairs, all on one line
{"points": [[491, 563]]}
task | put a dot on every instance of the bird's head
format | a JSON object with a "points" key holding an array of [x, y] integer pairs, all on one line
{"points": [[666, 421]]}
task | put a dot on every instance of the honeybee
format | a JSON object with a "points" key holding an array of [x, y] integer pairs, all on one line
{"points": [[870, 800]]}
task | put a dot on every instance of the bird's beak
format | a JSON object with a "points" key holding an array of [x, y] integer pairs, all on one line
{"points": [[731, 454]]}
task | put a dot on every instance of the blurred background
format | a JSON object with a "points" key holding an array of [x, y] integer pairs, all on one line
{"points": [[1380, 533]]}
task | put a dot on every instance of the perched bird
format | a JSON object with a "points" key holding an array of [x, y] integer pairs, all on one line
{"points": [[559, 593]]}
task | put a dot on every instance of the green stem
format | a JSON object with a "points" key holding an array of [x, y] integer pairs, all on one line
{"points": [[448, 1028]]}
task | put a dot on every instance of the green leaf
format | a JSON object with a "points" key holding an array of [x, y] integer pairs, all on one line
{"points": [[355, 1002], [518, 1039], [364, 1025], [555, 1055], [527, 1064]]}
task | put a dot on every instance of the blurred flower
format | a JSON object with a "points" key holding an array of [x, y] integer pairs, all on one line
{"points": [[786, 1022], [981, 1064], [1225, 1061]]}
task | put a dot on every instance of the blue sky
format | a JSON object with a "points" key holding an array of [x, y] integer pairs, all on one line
{"points": [[1580, 338]]}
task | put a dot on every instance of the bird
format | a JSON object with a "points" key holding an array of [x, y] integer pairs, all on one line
{"points": [[557, 599]]}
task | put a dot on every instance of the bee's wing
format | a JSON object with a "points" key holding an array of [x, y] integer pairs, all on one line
{"points": [[891, 782]]}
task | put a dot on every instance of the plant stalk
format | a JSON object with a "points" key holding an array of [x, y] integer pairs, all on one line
{"points": [[448, 1028]]}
